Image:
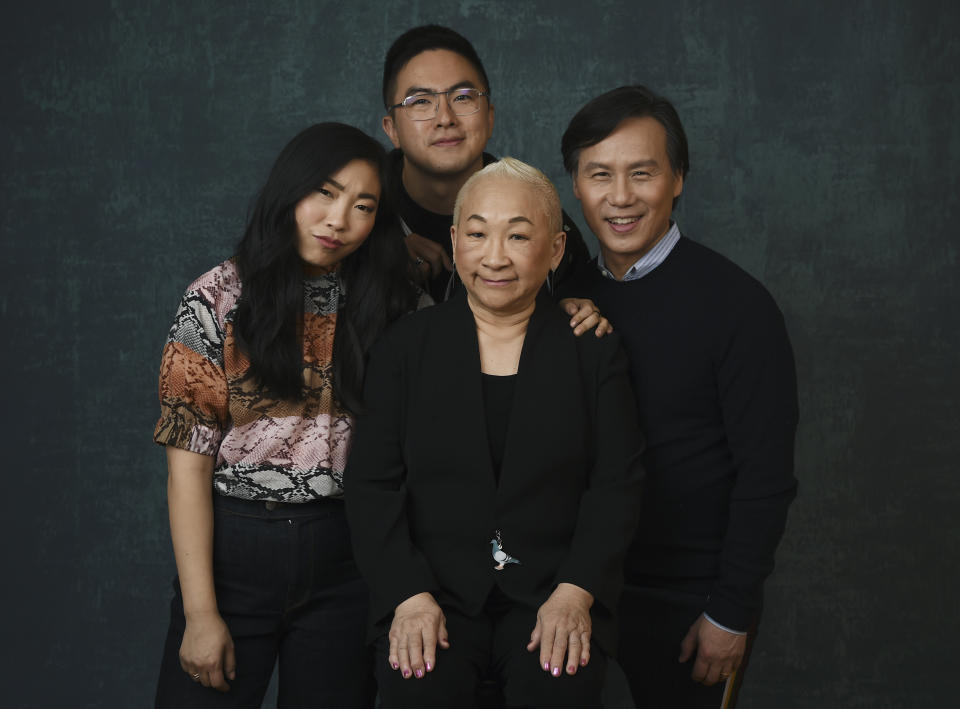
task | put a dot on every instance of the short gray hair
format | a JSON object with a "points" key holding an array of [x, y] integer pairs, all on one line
{"points": [[518, 170]]}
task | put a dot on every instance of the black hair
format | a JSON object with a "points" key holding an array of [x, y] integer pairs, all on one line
{"points": [[269, 318], [422, 39], [602, 115]]}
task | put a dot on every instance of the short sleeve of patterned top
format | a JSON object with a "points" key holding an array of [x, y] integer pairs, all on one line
{"points": [[265, 449]]}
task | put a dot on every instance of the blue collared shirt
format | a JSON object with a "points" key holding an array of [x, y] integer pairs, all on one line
{"points": [[650, 260]]}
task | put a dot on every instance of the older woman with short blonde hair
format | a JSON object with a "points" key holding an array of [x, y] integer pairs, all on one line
{"points": [[495, 481]]}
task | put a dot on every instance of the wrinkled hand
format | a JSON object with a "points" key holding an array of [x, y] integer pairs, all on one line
{"points": [[719, 653], [418, 627], [433, 258], [207, 650], [563, 627], [584, 316]]}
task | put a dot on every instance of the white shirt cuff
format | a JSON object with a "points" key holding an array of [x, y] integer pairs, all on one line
{"points": [[723, 627]]}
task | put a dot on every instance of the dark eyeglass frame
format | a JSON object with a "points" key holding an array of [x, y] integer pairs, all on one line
{"points": [[408, 101]]}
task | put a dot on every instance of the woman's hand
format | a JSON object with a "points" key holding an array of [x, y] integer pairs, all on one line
{"points": [[563, 626], [207, 651], [585, 315], [418, 627]]}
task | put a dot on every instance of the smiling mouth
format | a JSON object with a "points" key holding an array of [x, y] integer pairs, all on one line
{"points": [[622, 224], [447, 142], [498, 282]]}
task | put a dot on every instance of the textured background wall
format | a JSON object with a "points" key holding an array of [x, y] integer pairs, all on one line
{"points": [[824, 139]]}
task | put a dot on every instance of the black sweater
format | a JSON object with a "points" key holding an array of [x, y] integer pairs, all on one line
{"points": [[716, 391]]}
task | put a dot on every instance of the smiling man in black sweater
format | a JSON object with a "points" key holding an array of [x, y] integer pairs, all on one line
{"points": [[716, 389]]}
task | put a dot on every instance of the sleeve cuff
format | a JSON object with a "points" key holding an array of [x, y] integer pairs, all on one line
{"points": [[723, 627]]}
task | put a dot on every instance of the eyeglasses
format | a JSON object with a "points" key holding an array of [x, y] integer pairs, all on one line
{"points": [[423, 107]]}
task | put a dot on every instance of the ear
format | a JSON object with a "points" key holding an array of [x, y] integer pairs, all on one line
{"points": [[576, 187], [453, 238], [558, 246], [390, 129], [490, 121], [678, 185]]}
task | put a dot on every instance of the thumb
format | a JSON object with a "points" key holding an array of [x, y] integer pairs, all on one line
{"points": [[571, 307], [230, 662], [688, 644], [442, 636], [535, 637]]}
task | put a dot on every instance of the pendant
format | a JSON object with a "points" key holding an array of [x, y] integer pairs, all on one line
{"points": [[499, 555]]}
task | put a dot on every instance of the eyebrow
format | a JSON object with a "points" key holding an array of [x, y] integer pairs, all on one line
{"points": [[514, 220], [638, 163], [465, 84], [362, 195]]}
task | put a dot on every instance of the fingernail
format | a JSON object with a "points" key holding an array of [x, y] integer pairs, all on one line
{"points": [[419, 674], [555, 671], [571, 669], [429, 667], [406, 673], [546, 666], [395, 665], [583, 662]]}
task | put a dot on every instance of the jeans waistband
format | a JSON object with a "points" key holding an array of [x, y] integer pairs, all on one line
{"points": [[270, 509]]}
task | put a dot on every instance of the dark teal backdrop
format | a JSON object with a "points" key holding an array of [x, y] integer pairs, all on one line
{"points": [[824, 141]]}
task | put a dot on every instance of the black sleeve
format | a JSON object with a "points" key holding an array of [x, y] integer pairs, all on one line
{"points": [[757, 385], [607, 517], [375, 488]]}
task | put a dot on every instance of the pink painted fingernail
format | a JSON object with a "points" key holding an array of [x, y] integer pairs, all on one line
{"points": [[555, 671], [419, 673], [571, 669], [429, 667], [406, 673], [583, 662], [546, 666], [395, 665]]}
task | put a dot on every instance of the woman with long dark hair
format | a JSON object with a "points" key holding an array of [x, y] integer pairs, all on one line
{"points": [[260, 378]]}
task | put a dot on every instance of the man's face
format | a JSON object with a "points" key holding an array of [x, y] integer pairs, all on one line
{"points": [[626, 189], [447, 144]]}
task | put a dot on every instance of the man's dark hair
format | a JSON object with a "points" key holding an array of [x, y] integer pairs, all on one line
{"points": [[601, 116], [422, 39]]}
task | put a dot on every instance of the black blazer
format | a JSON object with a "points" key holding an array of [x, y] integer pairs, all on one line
{"points": [[421, 496]]}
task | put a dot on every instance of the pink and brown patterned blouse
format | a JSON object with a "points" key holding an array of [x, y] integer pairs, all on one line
{"points": [[265, 449]]}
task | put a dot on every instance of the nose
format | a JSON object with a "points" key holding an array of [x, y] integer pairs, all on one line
{"points": [[494, 253], [445, 114], [620, 194], [338, 215]]}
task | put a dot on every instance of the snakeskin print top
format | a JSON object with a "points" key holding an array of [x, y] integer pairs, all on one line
{"points": [[265, 449]]}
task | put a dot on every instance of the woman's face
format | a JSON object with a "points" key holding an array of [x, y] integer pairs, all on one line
{"points": [[503, 245], [335, 220]]}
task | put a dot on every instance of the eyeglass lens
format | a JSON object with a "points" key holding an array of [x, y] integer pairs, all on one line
{"points": [[462, 102]]}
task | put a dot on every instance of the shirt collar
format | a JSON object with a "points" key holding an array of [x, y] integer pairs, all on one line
{"points": [[650, 260]]}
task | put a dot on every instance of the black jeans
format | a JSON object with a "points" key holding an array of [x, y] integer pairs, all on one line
{"points": [[288, 589]]}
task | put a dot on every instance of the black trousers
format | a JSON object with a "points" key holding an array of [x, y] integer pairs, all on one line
{"points": [[490, 644], [653, 622], [288, 590]]}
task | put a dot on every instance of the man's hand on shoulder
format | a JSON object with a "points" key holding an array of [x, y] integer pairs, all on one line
{"points": [[718, 651], [584, 315], [428, 257]]}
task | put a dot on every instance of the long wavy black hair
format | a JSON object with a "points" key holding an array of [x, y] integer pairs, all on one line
{"points": [[269, 318]]}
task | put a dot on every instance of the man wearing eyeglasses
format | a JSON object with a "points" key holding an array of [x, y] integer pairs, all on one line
{"points": [[439, 118]]}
